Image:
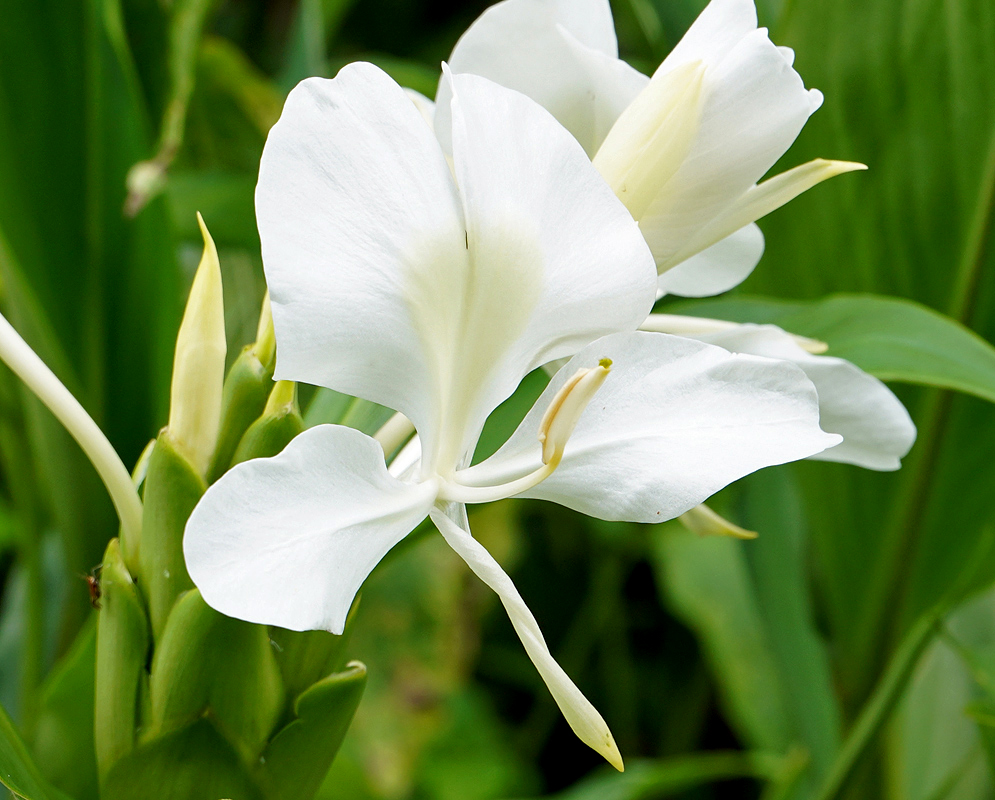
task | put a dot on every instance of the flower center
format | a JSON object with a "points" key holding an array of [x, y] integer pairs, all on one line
{"points": [[558, 423]]}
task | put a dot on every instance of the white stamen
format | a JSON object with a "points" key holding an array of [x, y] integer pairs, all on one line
{"points": [[559, 421]]}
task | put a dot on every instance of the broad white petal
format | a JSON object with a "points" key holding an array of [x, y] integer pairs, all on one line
{"points": [[754, 106], [877, 430], [289, 540], [354, 200], [675, 421], [718, 268], [583, 718], [548, 50], [553, 261]]}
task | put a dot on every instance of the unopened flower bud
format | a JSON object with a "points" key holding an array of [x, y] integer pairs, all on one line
{"points": [[199, 363]]}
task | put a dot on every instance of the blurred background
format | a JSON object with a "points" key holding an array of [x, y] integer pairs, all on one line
{"points": [[726, 669]]}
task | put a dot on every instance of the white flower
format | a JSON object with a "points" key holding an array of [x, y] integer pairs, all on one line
{"points": [[433, 288], [683, 151]]}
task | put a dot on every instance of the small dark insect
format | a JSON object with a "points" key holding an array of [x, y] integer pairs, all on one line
{"points": [[93, 584]]}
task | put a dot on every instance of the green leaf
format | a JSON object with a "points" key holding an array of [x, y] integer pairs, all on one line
{"points": [[207, 663], [779, 563], [648, 780], [707, 584], [64, 733], [195, 763], [17, 770], [296, 761], [893, 339], [122, 651]]}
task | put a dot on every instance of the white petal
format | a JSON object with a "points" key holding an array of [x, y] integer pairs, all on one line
{"points": [[877, 430], [755, 105], [583, 718], [718, 268], [424, 105], [675, 421], [548, 50], [714, 33], [289, 540], [554, 260], [354, 198]]}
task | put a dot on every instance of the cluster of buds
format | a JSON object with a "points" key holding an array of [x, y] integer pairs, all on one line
{"points": [[187, 699]]}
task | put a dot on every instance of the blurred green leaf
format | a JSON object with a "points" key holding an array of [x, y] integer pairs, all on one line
{"points": [[707, 584], [17, 770], [893, 339], [648, 780], [63, 737], [299, 756], [779, 563]]}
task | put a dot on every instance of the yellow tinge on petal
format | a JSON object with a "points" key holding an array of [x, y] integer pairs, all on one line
{"points": [[650, 140], [199, 362]]}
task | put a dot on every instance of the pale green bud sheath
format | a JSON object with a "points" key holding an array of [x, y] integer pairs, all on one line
{"points": [[265, 346], [678, 325], [558, 422], [199, 363], [26, 364]]}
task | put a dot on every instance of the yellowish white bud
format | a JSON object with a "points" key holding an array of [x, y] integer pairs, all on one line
{"points": [[199, 362], [679, 325]]}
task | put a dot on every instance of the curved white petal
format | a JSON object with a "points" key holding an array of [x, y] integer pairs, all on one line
{"points": [[289, 540], [877, 430], [554, 261], [754, 106], [583, 718], [718, 268], [354, 197], [548, 50], [675, 421]]}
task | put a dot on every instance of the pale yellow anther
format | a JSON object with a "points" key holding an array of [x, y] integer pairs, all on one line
{"points": [[199, 362], [564, 411]]}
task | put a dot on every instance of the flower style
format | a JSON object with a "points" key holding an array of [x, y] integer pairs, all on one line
{"points": [[683, 150], [433, 287]]}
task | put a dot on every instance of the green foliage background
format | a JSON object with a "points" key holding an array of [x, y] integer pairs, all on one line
{"points": [[849, 651]]}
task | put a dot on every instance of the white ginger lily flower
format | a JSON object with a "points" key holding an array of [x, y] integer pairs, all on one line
{"points": [[684, 150], [433, 289]]}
